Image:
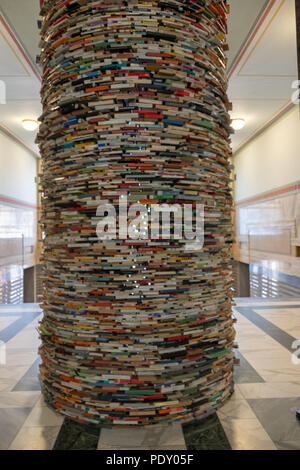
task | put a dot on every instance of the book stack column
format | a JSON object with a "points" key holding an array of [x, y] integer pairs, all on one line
{"points": [[135, 330]]}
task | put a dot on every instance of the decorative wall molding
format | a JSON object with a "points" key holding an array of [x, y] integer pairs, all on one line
{"points": [[19, 46], [17, 203], [278, 192], [251, 38], [17, 140]]}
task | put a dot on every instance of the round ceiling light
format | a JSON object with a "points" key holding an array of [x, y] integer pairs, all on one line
{"points": [[238, 124], [29, 124]]}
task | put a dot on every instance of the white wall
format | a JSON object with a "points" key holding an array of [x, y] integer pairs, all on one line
{"points": [[271, 160], [18, 169]]}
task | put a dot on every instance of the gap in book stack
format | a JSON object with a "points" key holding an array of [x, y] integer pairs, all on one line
{"points": [[135, 331]]}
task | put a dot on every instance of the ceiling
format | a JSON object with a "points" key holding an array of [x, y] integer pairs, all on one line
{"points": [[244, 14], [260, 78], [19, 39]]}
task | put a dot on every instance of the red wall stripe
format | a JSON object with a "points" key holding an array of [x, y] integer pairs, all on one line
{"points": [[18, 203], [274, 193]]}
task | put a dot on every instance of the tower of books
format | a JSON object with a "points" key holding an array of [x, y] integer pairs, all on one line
{"points": [[136, 330]]}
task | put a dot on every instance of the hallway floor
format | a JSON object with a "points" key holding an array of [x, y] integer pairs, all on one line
{"points": [[260, 415]]}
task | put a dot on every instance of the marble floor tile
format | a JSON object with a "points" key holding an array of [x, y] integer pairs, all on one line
{"points": [[143, 447], [274, 375], [33, 324], [21, 357], [236, 409], [270, 390], [237, 394], [279, 315], [243, 323], [269, 328], [245, 335], [289, 321], [247, 434], [29, 381], [278, 417], [206, 434], [11, 421], [154, 438], [35, 438], [77, 436], [19, 309], [18, 399], [28, 384], [288, 445], [43, 416], [280, 364], [278, 311], [279, 353], [261, 343], [31, 328], [293, 332], [6, 385], [41, 402], [6, 321], [244, 326], [242, 320], [12, 372], [23, 340], [14, 329], [244, 372], [267, 302], [250, 331], [128, 448]]}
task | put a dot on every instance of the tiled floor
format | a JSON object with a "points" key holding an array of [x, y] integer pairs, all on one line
{"points": [[260, 415]]}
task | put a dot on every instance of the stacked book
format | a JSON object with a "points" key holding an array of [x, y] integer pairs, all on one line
{"points": [[135, 331]]}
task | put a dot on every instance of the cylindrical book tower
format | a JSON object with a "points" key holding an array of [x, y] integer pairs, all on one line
{"points": [[136, 210]]}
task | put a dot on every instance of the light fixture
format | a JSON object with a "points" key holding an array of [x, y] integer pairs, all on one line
{"points": [[238, 124], [29, 124]]}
